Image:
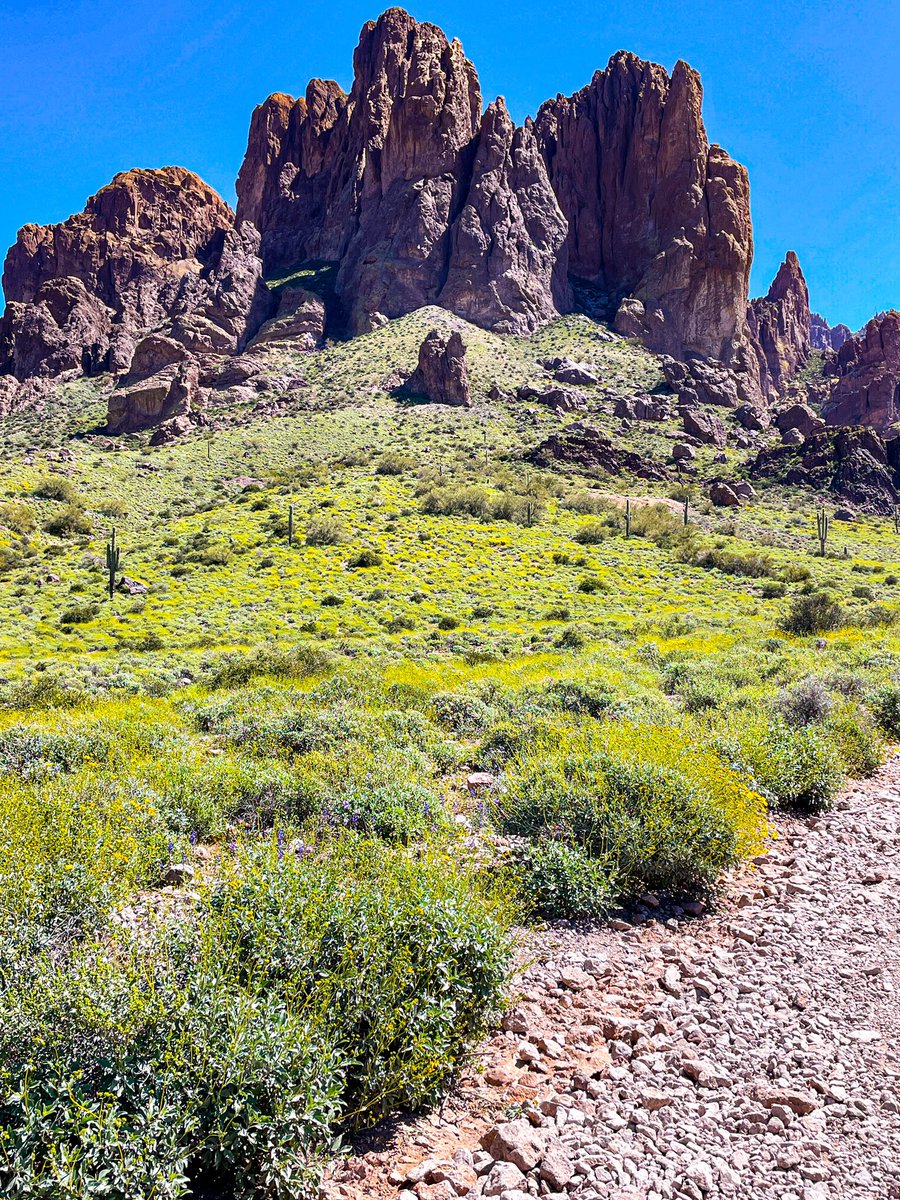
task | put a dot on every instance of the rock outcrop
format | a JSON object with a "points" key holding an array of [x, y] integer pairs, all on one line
{"points": [[162, 384], [867, 370], [129, 250], [657, 218], [442, 375], [855, 465], [780, 324], [584, 446], [823, 336], [418, 197]]}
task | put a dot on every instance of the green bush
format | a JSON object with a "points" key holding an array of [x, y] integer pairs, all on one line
{"points": [[57, 487], [300, 662], [17, 517], [324, 531], [885, 704], [70, 521], [653, 807], [816, 613], [394, 464], [79, 614], [797, 766], [215, 1054], [365, 558], [557, 880]]}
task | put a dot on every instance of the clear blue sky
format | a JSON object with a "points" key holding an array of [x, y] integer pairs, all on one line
{"points": [[806, 93]]}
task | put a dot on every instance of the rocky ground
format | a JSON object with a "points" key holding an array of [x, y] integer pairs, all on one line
{"points": [[749, 1052]]}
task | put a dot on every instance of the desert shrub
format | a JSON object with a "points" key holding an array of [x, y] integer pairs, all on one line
{"points": [[797, 766], [653, 807], [856, 736], [508, 738], [570, 638], [587, 697], [590, 504], [818, 612], [465, 715], [751, 564], [877, 615], [324, 531], [526, 508], [18, 517], [592, 533], [589, 584], [57, 487], [884, 702], [214, 1055], [400, 624], [557, 612], [805, 703], [300, 662], [394, 463], [79, 614], [447, 621], [772, 589], [396, 810], [559, 880], [656, 522], [457, 500], [68, 522], [365, 558]]}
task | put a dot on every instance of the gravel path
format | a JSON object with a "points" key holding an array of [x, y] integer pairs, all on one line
{"points": [[753, 1052]]}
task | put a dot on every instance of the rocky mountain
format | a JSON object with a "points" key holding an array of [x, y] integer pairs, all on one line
{"points": [[866, 372], [823, 336], [780, 322], [408, 192]]}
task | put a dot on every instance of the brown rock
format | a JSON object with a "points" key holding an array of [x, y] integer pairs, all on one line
{"points": [[780, 323], [867, 389], [855, 465], [584, 446], [162, 383], [442, 374], [507, 269], [132, 246], [723, 496], [300, 320], [556, 1168], [64, 329], [516, 1142], [800, 417], [655, 213], [705, 428]]}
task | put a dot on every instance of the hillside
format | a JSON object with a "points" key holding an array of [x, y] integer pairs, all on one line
{"points": [[447, 629]]}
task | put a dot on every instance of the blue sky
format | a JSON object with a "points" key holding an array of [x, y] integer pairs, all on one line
{"points": [[806, 93]]}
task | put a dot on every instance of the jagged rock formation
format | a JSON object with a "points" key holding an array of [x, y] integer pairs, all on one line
{"points": [[855, 465], [801, 418], [583, 445], [657, 217], [867, 370], [780, 323], [80, 292], [823, 336], [442, 375], [419, 198]]}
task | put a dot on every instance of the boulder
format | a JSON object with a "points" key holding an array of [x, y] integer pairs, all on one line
{"points": [[682, 452], [792, 437], [516, 1142], [577, 375], [800, 417], [63, 329], [162, 383], [442, 375], [723, 495], [705, 428], [299, 320], [751, 417], [853, 465]]}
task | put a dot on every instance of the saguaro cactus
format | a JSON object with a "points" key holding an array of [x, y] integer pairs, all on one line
{"points": [[686, 514], [290, 524], [628, 518], [823, 524], [113, 558], [897, 518]]}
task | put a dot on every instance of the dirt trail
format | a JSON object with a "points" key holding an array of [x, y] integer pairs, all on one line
{"points": [[752, 1052]]}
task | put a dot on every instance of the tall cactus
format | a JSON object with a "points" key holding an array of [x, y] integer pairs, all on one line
{"points": [[897, 518], [113, 558], [686, 514], [290, 524], [823, 524], [627, 518]]}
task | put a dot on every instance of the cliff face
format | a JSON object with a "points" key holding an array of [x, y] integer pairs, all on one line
{"points": [[823, 336], [867, 371], [422, 201], [780, 323], [654, 212], [404, 184], [78, 293]]}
